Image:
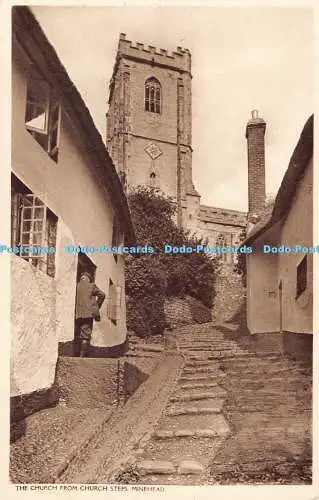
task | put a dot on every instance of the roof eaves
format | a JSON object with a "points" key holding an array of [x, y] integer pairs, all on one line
{"points": [[105, 169]]}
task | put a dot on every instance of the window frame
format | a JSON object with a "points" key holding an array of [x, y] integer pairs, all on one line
{"points": [[22, 199], [37, 79], [44, 137]]}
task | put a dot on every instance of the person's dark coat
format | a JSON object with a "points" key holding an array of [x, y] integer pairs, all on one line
{"points": [[89, 299]]}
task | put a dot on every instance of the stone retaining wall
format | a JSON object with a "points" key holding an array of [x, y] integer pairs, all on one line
{"points": [[230, 297], [185, 311]]}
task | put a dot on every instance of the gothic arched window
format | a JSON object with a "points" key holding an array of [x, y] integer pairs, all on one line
{"points": [[153, 95], [221, 240]]}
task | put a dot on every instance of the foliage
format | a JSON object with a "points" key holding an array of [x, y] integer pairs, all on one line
{"points": [[150, 278]]}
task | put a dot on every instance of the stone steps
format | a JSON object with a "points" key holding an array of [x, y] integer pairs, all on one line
{"points": [[195, 348], [199, 362], [212, 370], [148, 347], [214, 404], [215, 424], [165, 467], [260, 384], [216, 393], [193, 429], [229, 354], [201, 377], [190, 433], [197, 385], [141, 354], [261, 369], [192, 411]]}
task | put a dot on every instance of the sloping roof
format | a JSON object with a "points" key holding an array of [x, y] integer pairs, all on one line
{"points": [[223, 216], [35, 43], [297, 166]]}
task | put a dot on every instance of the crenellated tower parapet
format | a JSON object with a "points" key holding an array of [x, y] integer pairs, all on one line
{"points": [[179, 59]]}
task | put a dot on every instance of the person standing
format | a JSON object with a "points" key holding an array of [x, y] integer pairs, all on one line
{"points": [[89, 299]]}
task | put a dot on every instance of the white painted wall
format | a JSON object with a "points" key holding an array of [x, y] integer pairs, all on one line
{"points": [[43, 307], [264, 271]]}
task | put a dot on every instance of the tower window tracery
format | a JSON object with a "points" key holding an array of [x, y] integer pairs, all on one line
{"points": [[153, 95]]}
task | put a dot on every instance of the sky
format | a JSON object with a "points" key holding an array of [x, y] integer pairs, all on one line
{"points": [[243, 58]]}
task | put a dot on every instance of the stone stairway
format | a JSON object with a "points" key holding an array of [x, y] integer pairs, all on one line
{"points": [[139, 349], [233, 416], [193, 426]]}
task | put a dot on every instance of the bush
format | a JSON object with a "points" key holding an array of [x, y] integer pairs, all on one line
{"points": [[150, 278], [145, 288]]}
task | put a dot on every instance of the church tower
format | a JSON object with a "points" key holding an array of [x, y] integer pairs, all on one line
{"points": [[149, 122]]}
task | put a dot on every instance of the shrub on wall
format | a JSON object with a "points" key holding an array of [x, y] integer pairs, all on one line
{"points": [[150, 278]]}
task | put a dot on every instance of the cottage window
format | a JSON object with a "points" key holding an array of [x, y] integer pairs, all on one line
{"points": [[153, 95], [301, 276], [33, 228], [42, 115], [114, 302]]}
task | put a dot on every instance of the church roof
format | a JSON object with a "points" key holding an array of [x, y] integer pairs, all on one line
{"points": [[223, 216], [296, 168]]}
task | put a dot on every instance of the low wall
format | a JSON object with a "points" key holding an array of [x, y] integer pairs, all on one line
{"points": [[88, 382], [298, 346], [266, 342], [84, 383], [135, 373]]}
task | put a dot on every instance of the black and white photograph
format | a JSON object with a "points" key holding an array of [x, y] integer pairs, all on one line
{"points": [[161, 247]]}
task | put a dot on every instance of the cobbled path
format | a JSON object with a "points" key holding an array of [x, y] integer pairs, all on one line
{"points": [[232, 417], [212, 412]]}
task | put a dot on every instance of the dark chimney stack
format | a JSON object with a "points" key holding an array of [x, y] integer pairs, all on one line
{"points": [[255, 133]]}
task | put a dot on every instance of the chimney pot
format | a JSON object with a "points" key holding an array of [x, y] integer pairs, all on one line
{"points": [[254, 114]]}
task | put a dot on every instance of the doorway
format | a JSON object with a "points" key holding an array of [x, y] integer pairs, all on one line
{"points": [[84, 264]]}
